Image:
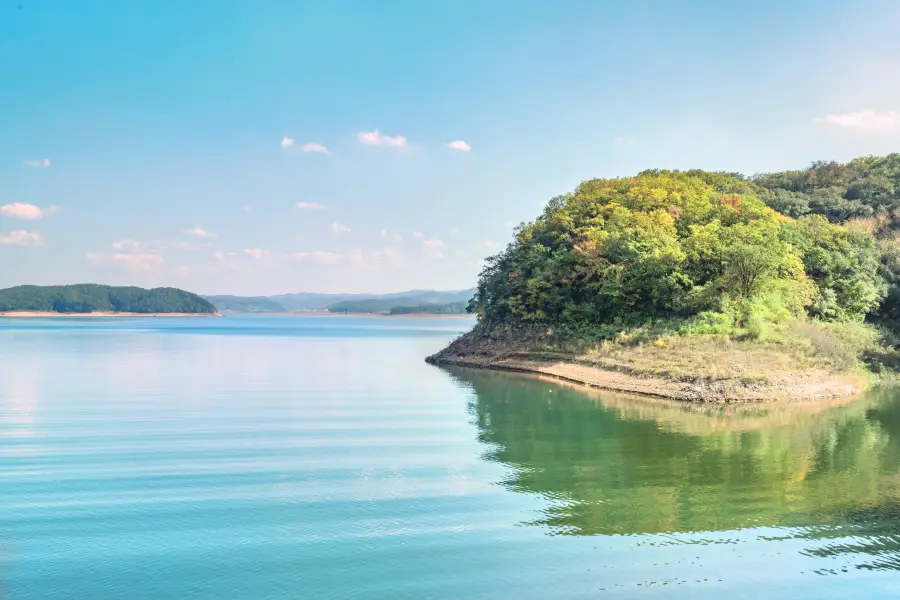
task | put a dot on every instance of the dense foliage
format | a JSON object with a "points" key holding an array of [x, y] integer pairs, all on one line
{"points": [[863, 194], [88, 297], [702, 247]]}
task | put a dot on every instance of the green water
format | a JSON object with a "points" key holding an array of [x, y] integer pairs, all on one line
{"points": [[322, 458]]}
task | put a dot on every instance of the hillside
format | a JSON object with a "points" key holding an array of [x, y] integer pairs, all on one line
{"points": [[87, 298], [244, 304], [648, 276]]}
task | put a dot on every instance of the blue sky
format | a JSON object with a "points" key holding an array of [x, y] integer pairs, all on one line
{"points": [[166, 143]]}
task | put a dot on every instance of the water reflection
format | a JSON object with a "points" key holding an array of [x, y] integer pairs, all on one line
{"points": [[610, 464]]}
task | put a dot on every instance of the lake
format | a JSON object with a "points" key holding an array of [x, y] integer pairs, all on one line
{"points": [[320, 457]]}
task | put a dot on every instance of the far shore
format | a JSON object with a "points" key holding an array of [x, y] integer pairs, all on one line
{"points": [[313, 313], [40, 313], [324, 313]]}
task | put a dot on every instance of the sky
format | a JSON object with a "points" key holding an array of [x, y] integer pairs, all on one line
{"points": [[259, 148]]}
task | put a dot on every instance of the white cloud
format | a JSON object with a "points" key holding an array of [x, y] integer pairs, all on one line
{"points": [[310, 205], [864, 120], [28, 212], [433, 243], [128, 244], [139, 261], [417, 234], [43, 163], [287, 142], [223, 256], [387, 255], [339, 227], [491, 244], [256, 253], [376, 138], [199, 232], [314, 148], [453, 230], [319, 256], [21, 238], [460, 145], [183, 271], [397, 237], [509, 224], [383, 231], [626, 141]]}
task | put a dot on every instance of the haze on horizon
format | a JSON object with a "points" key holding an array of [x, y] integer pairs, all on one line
{"points": [[231, 148]]}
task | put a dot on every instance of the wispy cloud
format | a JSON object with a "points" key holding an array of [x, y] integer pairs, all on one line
{"points": [[287, 142], [182, 271], [200, 233], [383, 231], [127, 244], [128, 261], [42, 164], [21, 238], [626, 141], [453, 230], [156, 246], [433, 243], [257, 253], [223, 256], [491, 244], [397, 237], [460, 145], [864, 120], [339, 227], [178, 245], [28, 212], [318, 256], [376, 138], [310, 206], [509, 224], [247, 209], [314, 148], [417, 234]]}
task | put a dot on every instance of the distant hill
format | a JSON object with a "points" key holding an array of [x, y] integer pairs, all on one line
{"points": [[90, 297], [430, 301], [239, 304]]}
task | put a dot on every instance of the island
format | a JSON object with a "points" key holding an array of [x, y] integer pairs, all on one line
{"points": [[702, 286], [100, 300]]}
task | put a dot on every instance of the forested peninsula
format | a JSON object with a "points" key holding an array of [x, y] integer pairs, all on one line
{"points": [[90, 298], [703, 286]]}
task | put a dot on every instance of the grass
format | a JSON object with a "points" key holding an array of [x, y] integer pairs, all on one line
{"points": [[680, 349]]}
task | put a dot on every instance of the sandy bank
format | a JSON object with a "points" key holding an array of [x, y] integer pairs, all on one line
{"points": [[641, 374], [37, 313]]}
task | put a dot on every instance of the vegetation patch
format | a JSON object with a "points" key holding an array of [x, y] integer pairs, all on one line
{"points": [[705, 277]]}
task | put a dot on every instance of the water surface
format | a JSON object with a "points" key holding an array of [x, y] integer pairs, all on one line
{"points": [[320, 457]]}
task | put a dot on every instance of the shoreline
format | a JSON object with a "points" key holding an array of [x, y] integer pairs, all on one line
{"points": [[27, 314], [700, 392], [644, 377]]}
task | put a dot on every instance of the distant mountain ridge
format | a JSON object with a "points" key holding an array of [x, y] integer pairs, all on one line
{"points": [[429, 301]]}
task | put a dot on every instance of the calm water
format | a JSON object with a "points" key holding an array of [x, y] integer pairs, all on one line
{"points": [[321, 457]]}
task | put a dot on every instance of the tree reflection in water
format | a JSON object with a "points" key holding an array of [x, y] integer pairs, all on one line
{"points": [[610, 464]]}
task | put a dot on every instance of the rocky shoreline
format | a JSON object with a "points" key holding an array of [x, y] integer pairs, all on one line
{"points": [[620, 376]]}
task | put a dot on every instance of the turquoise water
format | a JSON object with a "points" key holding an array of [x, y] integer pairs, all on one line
{"points": [[320, 457]]}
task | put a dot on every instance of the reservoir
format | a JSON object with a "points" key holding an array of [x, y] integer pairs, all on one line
{"points": [[321, 457]]}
